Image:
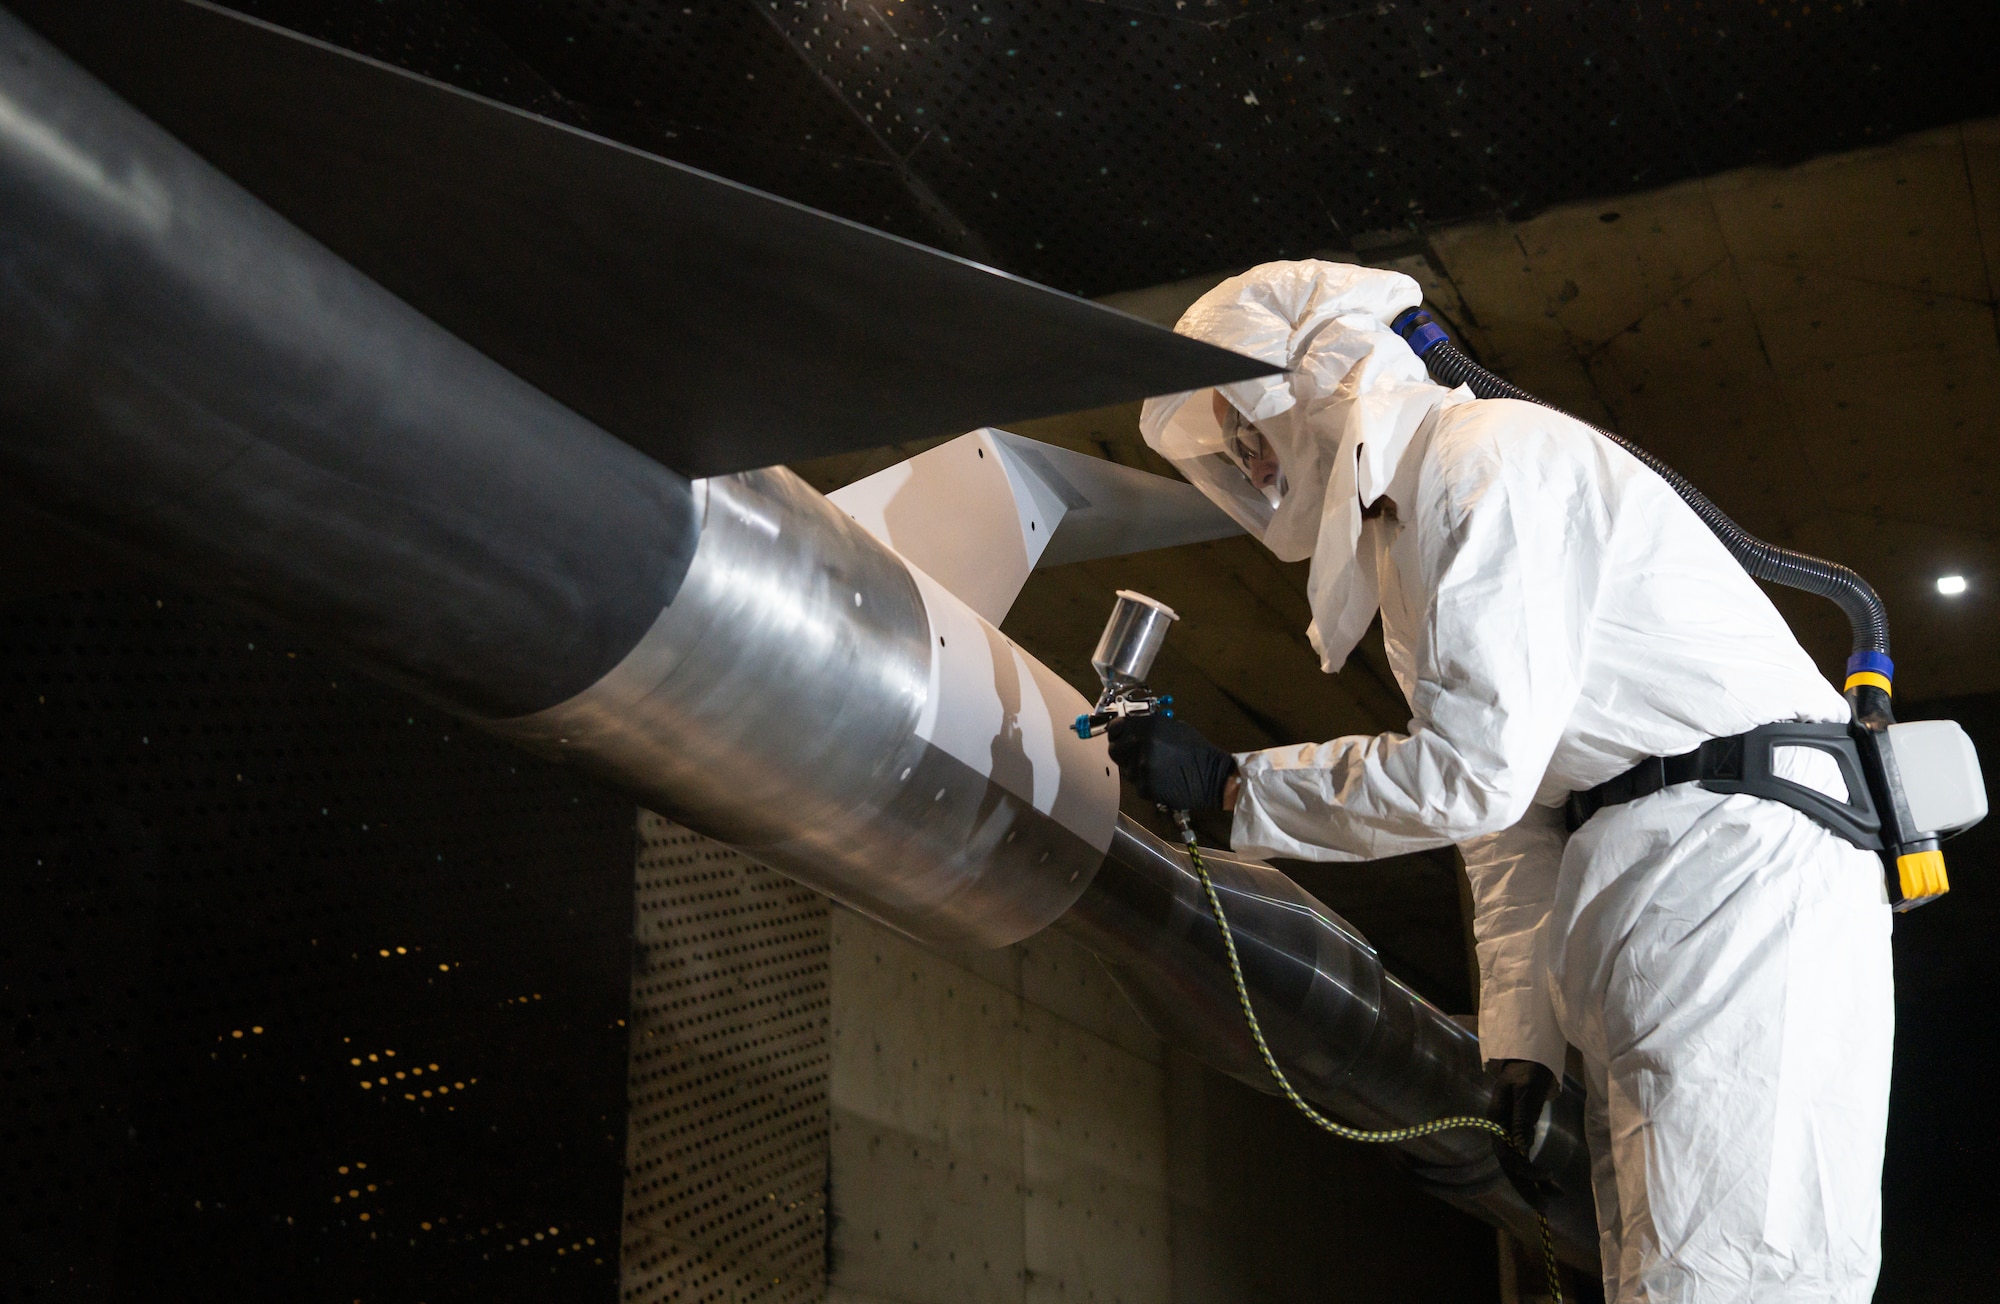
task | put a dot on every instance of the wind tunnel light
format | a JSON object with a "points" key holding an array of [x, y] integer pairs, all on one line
{"points": [[1951, 585]]}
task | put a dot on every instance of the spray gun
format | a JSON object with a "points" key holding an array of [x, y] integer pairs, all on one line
{"points": [[1124, 657], [1123, 660]]}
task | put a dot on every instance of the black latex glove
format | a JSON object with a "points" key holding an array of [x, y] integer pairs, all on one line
{"points": [[1170, 763], [1524, 1104]]}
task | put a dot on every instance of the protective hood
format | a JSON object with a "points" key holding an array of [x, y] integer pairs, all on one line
{"points": [[1339, 420]]}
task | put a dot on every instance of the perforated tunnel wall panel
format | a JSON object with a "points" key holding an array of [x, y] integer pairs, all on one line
{"points": [[307, 992], [725, 1196]]}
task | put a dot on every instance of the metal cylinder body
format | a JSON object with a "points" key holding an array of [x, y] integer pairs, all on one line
{"points": [[1350, 1037], [1131, 640], [811, 699]]}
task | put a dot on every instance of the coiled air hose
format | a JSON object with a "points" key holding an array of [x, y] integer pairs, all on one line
{"points": [[1450, 366], [1385, 1136]]}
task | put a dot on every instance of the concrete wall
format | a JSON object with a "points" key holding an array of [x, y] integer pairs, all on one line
{"points": [[999, 1128], [1005, 1130]]}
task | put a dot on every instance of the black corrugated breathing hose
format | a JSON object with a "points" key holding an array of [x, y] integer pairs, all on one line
{"points": [[1451, 367]]}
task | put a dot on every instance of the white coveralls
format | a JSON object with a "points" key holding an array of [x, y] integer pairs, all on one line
{"points": [[1554, 613]]}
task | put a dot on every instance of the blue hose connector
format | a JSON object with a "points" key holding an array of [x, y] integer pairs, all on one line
{"points": [[1082, 727], [1416, 326], [1870, 668], [1878, 662]]}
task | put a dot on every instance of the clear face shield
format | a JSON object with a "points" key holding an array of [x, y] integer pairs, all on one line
{"points": [[1227, 457], [1249, 451]]}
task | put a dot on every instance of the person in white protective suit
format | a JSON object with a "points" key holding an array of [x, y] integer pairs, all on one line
{"points": [[1555, 614]]}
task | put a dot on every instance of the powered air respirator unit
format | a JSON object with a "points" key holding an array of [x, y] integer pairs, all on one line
{"points": [[1910, 786]]}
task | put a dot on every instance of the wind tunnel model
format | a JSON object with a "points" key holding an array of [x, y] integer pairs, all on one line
{"points": [[579, 551]]}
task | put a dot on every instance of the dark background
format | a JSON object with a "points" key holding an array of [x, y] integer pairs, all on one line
{"points": [[228, 869], [1104, 146], [1938, 1206], [206, 828]]}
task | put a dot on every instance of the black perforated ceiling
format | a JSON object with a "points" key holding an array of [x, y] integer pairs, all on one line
{"points": [[1098, 146]]}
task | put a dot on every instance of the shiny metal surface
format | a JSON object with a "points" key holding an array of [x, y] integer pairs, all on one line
{"points": [[1350, 1037], [1131, 640], [775, 706]]}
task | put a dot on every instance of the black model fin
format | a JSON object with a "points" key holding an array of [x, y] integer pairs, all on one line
{"points": [[715, 327]]}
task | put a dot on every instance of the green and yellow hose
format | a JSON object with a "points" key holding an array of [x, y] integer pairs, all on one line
{"points": [[1387, 1136]]}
